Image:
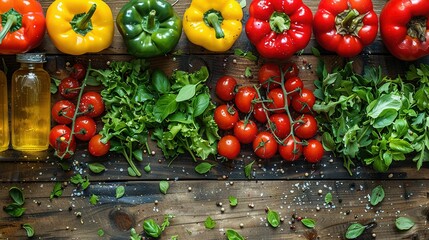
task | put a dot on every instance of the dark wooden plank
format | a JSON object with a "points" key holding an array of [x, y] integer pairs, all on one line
{"points": [[191, 202]]}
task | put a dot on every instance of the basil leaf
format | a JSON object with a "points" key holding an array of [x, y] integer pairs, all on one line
{"points": [[273, 218], [186, 93], [386, 102], [308, 222], [233, 235], [16, 195], [164, 186], [134, 235], [147, 168], [377, 195], [233, 201], [165, 106], [400, 145], [200, 104], [151, 228], [57, 191], [94, 199], [209, 223], [100, 232], [248, 170], [355, 230], [403, 223], [328, 142], [14, 210], [29, 229], [160, 81], [120, 191], [328, 198], [248, 72], [96, 167], [203, 167]]}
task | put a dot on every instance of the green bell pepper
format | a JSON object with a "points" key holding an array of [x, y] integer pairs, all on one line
{"points": [[149, 27]]}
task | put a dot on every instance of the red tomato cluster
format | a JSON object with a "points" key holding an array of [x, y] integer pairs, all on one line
{"points": [[76, 122], [275, 117]]}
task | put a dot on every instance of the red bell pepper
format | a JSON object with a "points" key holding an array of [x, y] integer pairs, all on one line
{"points": [[345, 26], [279, 28], [404, 28], [22, 26]]}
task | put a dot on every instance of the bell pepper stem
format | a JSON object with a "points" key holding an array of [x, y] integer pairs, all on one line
{"points": [[349, 19], [82, 23], [279, 22], [416, 28], [214, 21], [349, 22], [13, 23], [151, 19]]}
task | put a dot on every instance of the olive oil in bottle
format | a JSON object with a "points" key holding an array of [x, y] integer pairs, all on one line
{"points": [[31, 102], [4, 122]]}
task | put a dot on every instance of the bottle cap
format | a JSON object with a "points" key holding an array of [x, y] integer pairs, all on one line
{"points": [[31, 58]]}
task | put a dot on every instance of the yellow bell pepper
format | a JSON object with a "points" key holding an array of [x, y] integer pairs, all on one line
{"points": [[214, 25], [77, 27]]}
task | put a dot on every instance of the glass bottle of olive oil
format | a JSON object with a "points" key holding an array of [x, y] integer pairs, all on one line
{"points": [[31, 103], [4, 122]]}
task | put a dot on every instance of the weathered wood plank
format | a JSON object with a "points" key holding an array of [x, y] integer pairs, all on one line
{"points": [[191, 202]]}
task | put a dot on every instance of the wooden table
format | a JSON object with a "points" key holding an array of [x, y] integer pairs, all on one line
{"points": [[293, 190]]}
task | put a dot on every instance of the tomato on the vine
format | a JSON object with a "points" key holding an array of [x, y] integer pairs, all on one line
{"points": [[269, 74], [69, 88], [278, 103], [291, 149], [265, 145], [290, 70], [96, 147], [85, 128], [59, 138], [293, 86], [78, 71], [63, 111], [244, 97], [225, 116], [229, 147], [91, 104], [225, 88], [313, 151], [303, 102], [305, 126], [245, 131], [259, 113], [280, 125]]}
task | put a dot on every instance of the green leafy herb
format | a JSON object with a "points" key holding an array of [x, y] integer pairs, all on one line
{"points": [[273, 218], [94, 199], [233, 235], [120, 191], [29, 229], [134, 235], [328, 198], [15, 209], [233, 201], [203, 167], [16, 195], [404, 223], [187, 92], [96, 167], [355, 230], [57, 191], [164, 186], [147, 168], [377, 195], [248, 55], [248, 72], [209, 223], [79, 180], [308, 222], [152, 229], [54, 85], [175, 237], [100, 232], [248, 170]]}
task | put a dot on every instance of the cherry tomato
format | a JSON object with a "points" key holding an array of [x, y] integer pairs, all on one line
{"points": [[267, 71], [290, 70], [225, 117], [225, 88], [96, 147], [294, 85], [91, 104], [280, 125], [277, 97], [245, 131], [69, 88], [265, 145], [63, 111], [78, 71], [228, 147], [244, 97], [85, 128], [59, 139], [291, 149], [259, 113], [303, 102], [313, 151], [305, 126]]}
